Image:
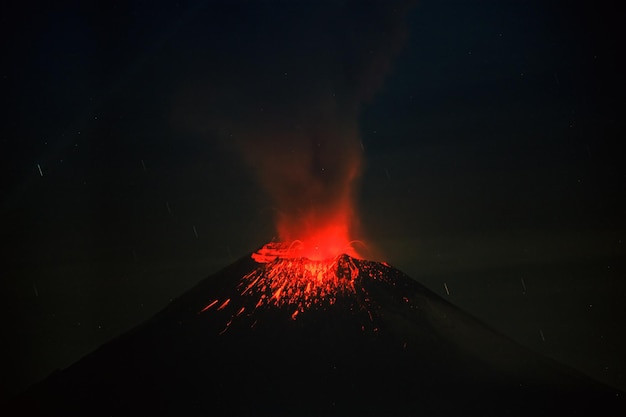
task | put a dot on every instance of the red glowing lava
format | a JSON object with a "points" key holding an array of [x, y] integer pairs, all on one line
{"points": [[323, 244], [314, 266], [297, 284], [318, 248], [300, 283]]}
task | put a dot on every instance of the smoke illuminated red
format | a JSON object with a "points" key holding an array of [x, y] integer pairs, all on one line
{"points": [[292, 109], [323, 244], [318, 220], [313, 190], [321, 233]]}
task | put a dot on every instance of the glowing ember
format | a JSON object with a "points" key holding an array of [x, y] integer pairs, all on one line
{"points": [[300, 282]]}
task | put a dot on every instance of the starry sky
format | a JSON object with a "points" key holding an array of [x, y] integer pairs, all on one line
{"points": [[136, 138]]}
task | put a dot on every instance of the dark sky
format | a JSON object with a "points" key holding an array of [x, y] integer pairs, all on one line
{"points": [[137, 138]]}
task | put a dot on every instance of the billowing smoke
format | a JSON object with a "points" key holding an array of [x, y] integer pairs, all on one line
{"points": [[284, 84]]}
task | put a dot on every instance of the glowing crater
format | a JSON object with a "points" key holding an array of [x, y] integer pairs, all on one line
{"points": [[300, 282], [296, 284]]}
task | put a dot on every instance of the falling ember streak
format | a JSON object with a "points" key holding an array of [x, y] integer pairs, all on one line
{"points": [[251, 284], [209, 306], [226, 328], [277, 293], [298, 284]]}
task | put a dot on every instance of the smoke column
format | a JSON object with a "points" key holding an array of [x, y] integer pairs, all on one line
{"points": [[286, 91]]}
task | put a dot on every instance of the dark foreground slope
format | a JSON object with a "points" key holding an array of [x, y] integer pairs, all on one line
{"points": [[390, 347]]}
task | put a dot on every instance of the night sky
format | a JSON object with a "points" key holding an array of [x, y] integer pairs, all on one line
{"points": [[139, 144]]}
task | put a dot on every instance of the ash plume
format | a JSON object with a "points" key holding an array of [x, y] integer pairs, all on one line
{"points": [[283, 83]]}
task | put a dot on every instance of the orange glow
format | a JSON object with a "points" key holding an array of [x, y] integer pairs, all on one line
{"points": [[224, 304], [322, 245], [300, 282], [209, 306], [319, 234]]}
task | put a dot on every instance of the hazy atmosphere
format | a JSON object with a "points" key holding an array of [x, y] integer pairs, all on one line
{"points": [[476, 145]]}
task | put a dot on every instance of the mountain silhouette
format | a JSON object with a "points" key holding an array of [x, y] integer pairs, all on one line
{"points": [[365, 339]]}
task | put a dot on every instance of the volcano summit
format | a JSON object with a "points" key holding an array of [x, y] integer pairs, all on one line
{"points": [[276, 335]]}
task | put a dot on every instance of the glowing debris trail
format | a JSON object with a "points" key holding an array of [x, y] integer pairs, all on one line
{"points": [[296, 284], [209, 306], [300, 282]]}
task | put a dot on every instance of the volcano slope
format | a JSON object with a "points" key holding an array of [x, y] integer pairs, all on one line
{"points": [[363, 339]]}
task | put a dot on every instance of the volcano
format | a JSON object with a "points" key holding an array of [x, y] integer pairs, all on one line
{"points": [[278, 335]]}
